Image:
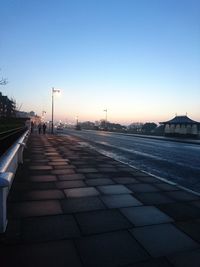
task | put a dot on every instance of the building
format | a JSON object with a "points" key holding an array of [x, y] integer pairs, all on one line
{"points": [[181, 126], [7, 107]]}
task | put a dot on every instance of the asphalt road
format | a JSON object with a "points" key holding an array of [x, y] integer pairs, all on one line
{"points": [[175, 161]]}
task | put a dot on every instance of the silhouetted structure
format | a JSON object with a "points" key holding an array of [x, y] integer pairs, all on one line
{"points": [[7, 106], [181, 126]]}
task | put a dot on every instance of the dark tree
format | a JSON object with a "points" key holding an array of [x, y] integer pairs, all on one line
{"points": [[149, 127]]}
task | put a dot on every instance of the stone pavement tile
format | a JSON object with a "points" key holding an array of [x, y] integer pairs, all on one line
{"points": [[58, 163], [49, 228], [192, 228], [99, 181], [87, 170], [105, 165], [161, 240], [143, 188], [37, 157], [81, 204], [42, 178], [19, 189], [125, 180], [147, 179], [51, 254], [42, 195], [40, 167], [185, 259], [195, 203], [37, 161], [59, 160], [64, 167], [107, 169], [152, 198], [70, 184], [63, 171], [158, 262], [182, 195], [101, 221], [126, 168], [166, 187], [180, 211], [54, 159], [145, 215], [52, 154], [113, 189], [110, 249], [81, 192], [95, 175], [12, 234], [119, 201], [34, 208], [75, 176], [139, 173]]}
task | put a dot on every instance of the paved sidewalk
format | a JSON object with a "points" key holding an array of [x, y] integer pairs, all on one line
{"points": [[71, 206]]}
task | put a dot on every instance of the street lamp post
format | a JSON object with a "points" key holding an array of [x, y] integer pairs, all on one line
{"points": [[52, 111], [106, 110]]}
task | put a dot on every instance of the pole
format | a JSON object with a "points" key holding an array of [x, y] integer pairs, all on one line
{"points": [[52, 111]]}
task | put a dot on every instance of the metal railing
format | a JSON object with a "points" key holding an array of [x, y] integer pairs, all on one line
{"points": [[8, 165], [7, 138]]}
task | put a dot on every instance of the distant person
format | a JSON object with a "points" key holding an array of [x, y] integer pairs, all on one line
{"points": [[32, 126], [44, 128], [39, 128]]}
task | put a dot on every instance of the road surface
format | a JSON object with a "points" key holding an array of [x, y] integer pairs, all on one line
{"points": [[175, 161]]}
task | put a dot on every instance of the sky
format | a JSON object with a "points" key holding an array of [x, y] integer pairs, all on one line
{"points": [[139, 59]]}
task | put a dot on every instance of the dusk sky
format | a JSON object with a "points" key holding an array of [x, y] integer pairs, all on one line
{"points": [[140, 59]]}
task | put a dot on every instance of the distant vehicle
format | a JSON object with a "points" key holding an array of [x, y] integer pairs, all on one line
{"points": [[60, 128], [78, 127]]}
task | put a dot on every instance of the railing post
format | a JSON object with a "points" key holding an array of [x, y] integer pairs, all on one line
{"points": [[5, 181]]}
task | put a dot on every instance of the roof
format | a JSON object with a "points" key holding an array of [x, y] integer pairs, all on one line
{"points": [[180, 120]]}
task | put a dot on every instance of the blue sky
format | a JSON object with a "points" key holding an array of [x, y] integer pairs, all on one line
{"points": [[140, 59]]}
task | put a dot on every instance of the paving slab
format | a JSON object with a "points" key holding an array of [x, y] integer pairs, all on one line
{"points": [[106, 250], [70, 184], [52, 254], [43, 178], [158, 262], [81, 204], [102, 221], [90, 210], [49, 228], [145, 215], [164, 239], [125, 180], [113, 189], [81, 192], [192, 228], [119, 201], [180, 211], [185, 259], [153, 198], [34, 208], [99, 181], [143, 188]]}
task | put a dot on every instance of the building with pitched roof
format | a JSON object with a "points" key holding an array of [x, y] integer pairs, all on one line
{"points": [[181, 126]]}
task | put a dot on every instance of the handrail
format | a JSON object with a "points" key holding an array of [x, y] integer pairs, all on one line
{"points": [[8, 156], [8, 165], [6, 134]]}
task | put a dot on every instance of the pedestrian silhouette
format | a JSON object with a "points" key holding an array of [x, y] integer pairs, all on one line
{"points": [[39, 128], [44, 128], [32, 126]]}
